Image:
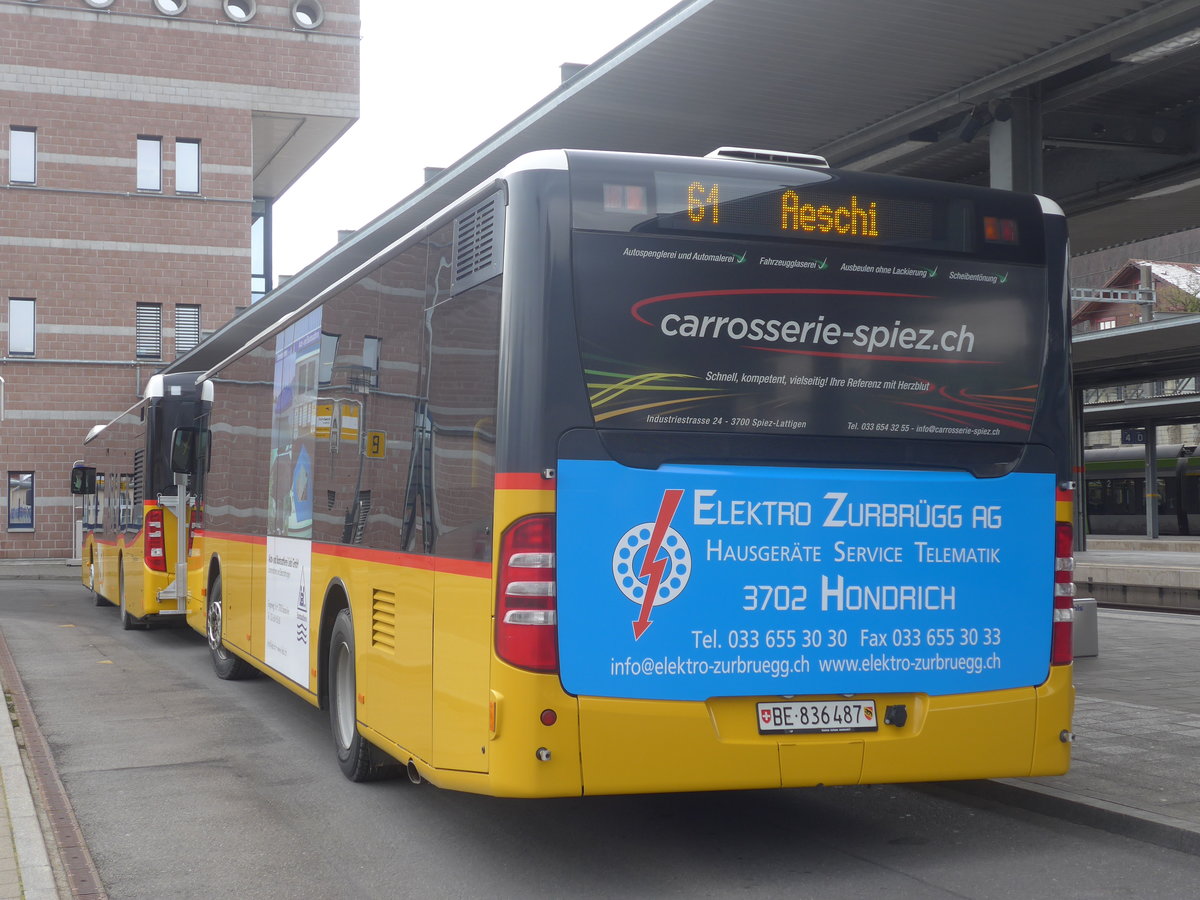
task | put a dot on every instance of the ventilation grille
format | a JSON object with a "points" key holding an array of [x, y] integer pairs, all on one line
{"points": [[187, 328], [149, 330], [478, 244], [779, 157], [383, 620]]}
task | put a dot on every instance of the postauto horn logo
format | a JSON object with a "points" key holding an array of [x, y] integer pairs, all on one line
{"points": [[652, 562]]}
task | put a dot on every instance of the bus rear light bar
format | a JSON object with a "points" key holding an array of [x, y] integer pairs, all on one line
{"points": [[1062, 650], [155, 549], [527, 595]]}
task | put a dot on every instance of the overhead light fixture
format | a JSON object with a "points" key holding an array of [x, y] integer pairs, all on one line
{"points": [[1163, 48], [1169, 189], [917, 140], [977, 119]]}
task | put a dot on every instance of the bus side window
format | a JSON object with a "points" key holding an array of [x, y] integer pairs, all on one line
{"points": [[463, 384]]}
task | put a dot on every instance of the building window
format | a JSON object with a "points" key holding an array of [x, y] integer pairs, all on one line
{"points": [[149, 331], [1105, 324], [20, 501], [260, 249], [307, 13], [187, 328], [22, 155], [187, 166], [99, 4], [170, 7], [371, 361], [327, 356], [240, 10], [21, 322], [149, 164]]}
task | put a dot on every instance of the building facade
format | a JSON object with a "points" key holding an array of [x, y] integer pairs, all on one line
{"points": [[142, 144]]}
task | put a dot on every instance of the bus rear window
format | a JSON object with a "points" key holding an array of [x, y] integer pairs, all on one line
{"points": [[729, 335]]}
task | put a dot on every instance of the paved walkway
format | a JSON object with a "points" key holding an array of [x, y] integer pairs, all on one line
{"points": [[1136, 768]]}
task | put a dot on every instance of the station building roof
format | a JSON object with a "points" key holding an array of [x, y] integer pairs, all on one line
{"points": [[913, 88]]}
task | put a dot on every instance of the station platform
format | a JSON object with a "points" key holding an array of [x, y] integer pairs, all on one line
{"points": [[1134, 773], [1130, 571]]}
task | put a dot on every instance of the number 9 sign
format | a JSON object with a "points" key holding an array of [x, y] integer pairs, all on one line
{"points": [[376, 444]]}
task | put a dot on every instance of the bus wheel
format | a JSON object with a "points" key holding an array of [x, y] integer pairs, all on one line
{"points": [[97, 598], [358, 760], [227, 666], [128, 622]]}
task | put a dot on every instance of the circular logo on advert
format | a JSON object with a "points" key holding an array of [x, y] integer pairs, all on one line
{"points": [[634, 564]]}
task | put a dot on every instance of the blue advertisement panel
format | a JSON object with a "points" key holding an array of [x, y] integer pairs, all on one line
{"points": [[689, 582]]}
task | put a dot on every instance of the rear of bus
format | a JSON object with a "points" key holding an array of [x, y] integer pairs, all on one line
{"points": [[132, 549], [786, 491]]}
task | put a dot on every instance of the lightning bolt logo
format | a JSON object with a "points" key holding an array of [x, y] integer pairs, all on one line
{"points": [[653, 567]]}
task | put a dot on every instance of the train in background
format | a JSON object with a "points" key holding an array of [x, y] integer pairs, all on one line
{"points": [[1115, 479]]}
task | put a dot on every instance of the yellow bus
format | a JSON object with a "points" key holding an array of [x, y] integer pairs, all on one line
{"points": [[633, 473], [133, 531]]}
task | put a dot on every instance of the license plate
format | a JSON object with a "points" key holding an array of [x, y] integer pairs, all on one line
{"points": [[820, 716]]}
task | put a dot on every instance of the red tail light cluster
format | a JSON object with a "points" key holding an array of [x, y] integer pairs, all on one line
{"points": [[1061, 648], [526, 596], [154, 547]]}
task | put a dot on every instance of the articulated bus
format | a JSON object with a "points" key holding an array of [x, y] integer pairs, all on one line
{"points": [[634, 473], [132, 498]]}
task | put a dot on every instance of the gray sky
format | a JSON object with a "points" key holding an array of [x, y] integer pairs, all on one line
{"points": [[419, 62]]}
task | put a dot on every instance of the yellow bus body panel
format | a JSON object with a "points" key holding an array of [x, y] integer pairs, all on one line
{"points": [[431, 692]]}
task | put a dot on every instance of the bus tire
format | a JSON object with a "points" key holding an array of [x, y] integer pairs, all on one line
{"points": [[97, 597], [227, 666], [358, 760], [128, 622]]}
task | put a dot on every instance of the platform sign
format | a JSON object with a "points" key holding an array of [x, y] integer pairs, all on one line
{"points": [[376, 444]]}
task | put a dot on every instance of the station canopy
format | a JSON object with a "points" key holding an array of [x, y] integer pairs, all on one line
{"points": [[1102, 95]]}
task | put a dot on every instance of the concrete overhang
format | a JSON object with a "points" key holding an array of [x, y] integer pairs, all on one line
{"points": [[871, 84], [286, 144]]}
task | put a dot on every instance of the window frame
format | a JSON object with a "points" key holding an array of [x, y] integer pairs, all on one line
{"points": [[23, 158], [14, 487], [192, 167], [140, 337], [14, 350], [144, 164], [189, 308]]}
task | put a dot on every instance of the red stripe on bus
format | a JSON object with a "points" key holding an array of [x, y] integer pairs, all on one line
{"points": [[524, 481], [471, 568]]}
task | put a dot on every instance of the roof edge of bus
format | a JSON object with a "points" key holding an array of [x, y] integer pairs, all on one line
{"points": [[554, 160], [1049, 207], [97, 429], [155, 387]]}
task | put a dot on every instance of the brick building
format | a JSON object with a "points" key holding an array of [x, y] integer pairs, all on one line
{"points": [[142, 144]]}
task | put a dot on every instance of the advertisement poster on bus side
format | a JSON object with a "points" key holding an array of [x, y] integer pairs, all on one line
{"points": [[692, 582], [289, 521]]}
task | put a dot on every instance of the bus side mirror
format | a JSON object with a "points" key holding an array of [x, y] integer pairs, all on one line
{"points": [[83, 480], [189, 450], [184, 448]]}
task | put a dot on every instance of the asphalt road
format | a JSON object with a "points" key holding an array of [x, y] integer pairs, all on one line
{"points": [[187, 786]]}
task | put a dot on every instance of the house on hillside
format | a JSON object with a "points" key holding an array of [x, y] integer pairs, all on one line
{"points": [[1176, 291]]}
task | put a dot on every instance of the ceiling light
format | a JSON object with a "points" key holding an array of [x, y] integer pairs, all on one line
{"points": [[1163, 48]]}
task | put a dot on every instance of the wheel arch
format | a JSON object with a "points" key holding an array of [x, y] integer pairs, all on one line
{"points": [[337, 598]]}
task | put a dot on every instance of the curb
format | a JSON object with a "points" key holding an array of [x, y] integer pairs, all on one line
{"points": [[33, 861], [1104, 815]]}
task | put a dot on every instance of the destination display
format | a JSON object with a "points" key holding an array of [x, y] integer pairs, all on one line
{"points": [[696, 582], [750, 337], [817, 210]]}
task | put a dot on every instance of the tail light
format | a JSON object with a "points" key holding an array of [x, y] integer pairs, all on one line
{"points": [[155, 548], [526, 596], [1061, 648]]}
